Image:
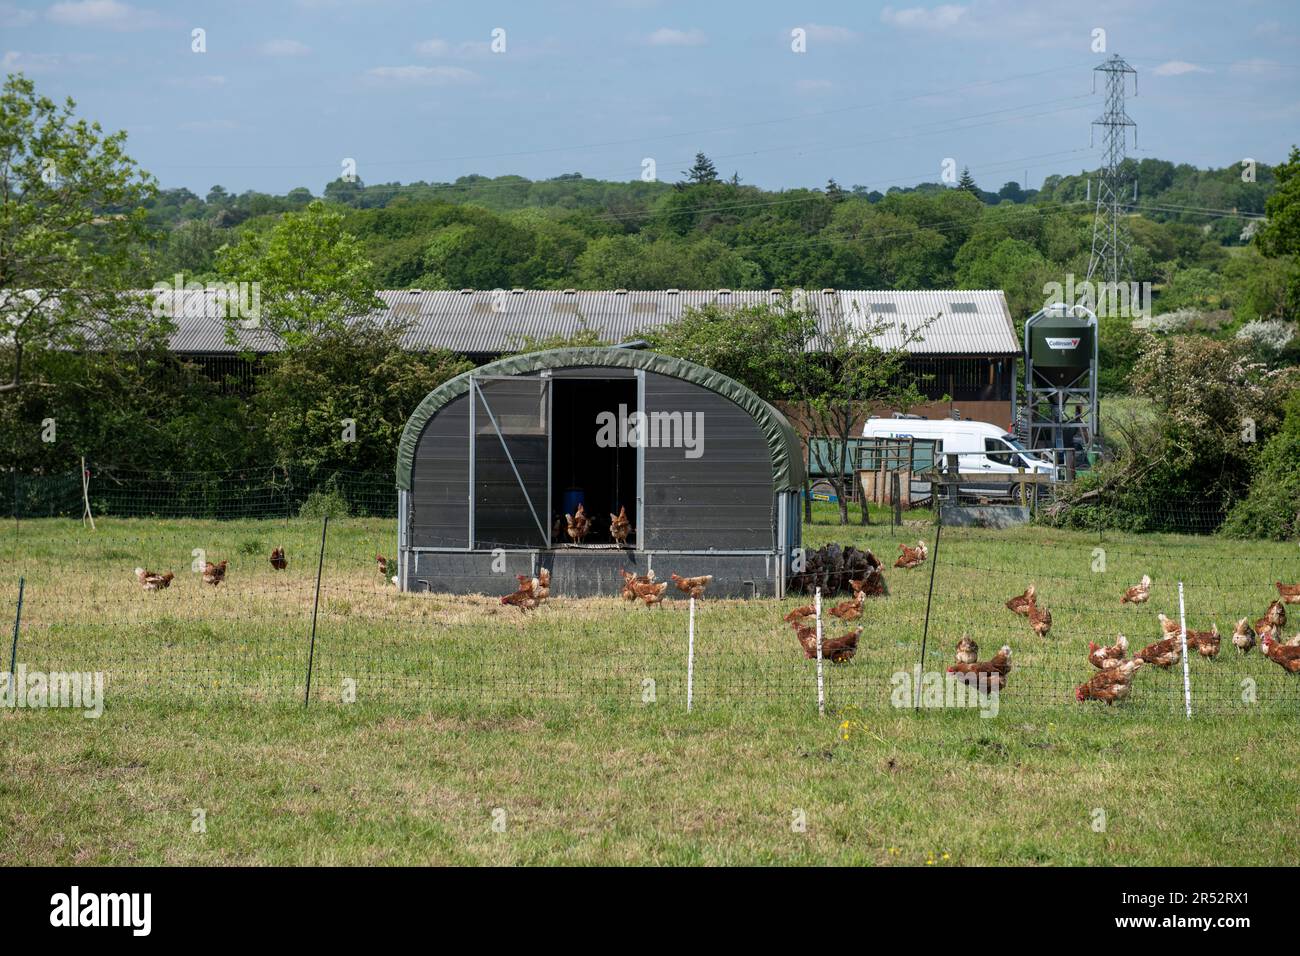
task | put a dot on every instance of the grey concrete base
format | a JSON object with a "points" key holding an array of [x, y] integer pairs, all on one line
{"points": [[984, 516], [582, 573]]}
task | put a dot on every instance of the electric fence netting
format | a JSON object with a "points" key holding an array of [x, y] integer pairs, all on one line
{"points": [[249, 630]]}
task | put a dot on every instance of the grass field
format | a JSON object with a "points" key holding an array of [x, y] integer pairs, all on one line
{"points": [[469, 713]]}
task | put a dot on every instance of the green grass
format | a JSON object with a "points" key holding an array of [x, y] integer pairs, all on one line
{"points": [[465, 706]]}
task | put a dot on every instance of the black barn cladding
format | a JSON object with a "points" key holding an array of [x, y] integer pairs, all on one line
{"points": [[490, 462]]}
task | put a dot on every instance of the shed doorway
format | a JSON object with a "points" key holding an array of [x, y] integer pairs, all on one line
{"points": [[602, 475]]}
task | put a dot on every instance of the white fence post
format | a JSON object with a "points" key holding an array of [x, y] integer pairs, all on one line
{"points": [[821, 687], [690, 661], [1182, 625]]}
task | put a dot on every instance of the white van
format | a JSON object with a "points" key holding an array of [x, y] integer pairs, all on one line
{"points": [[986, 452]]}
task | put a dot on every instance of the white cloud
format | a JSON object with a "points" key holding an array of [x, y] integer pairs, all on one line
{"points": [[669, 37], [32, 63], [814, 86], [12, 15], [829, 34], [1178, 68], [284, 48], [101, 14], [424, 75], [209, 82], [434, 47], [943, 17]]}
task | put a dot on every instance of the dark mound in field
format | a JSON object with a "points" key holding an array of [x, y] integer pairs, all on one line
{"points": [[832, 566]]}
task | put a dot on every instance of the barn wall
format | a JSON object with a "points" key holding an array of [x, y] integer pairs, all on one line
{"points": [[440, 493], [724, 498]]}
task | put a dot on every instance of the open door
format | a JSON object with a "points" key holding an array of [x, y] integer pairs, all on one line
{"points": [[510, 425]]}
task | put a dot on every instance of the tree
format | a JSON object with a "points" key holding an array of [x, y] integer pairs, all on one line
{"points": [[359, 373], [967, 181], [72, 229], [310, 274], [703, 171], [834, 191], [836, 383]]}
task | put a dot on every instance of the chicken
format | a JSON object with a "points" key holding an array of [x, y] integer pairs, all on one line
{"points": [[630, 579], [1243, 636], [1273, 621], [1040, 619], [1138, 593], [214, 574], [578, 525], [1288, 658], [153, 582], [693, 586], [278, 560], [911, 557], [1290, 593], [873, 585], [542, 584], [1104, 658], [382, 562], [1110, 685], [539, 587], [838, 650], [1164, 653], [986, 676], [1206, 643], [999, 663], [650, 593], [1020, 605], [522, 599], [620, 527], [806, 610], [850, 610], [968, 652]]}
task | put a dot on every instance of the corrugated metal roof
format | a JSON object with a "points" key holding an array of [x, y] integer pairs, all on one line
{"points": [[496, 322]]}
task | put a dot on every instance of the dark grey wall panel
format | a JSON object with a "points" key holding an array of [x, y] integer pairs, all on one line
{"points": [[440, 478], [578, 573], [502, 516], [724, 498]]}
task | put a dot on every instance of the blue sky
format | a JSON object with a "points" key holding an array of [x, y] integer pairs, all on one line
{"points": [[882, 95]]}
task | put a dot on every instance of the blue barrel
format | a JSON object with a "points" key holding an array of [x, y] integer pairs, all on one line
{"points": [[572, 498]]}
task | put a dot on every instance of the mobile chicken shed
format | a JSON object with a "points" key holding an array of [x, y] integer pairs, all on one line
{"points": [[490, 462]]}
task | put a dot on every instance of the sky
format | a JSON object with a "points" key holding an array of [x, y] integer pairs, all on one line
{"points": [[283, 92]]}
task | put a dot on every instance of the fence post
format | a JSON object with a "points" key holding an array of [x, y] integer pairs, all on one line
{"points": [[925, 632], [311, 653], [18, 616], [690, 661], [1182, 627], [821, 688]]}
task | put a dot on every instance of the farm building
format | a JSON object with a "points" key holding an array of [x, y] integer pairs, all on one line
{"points": [[968, 354], [490, 462]]}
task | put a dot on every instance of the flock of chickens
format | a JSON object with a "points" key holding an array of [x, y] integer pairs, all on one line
{"points": [[578, 525], [1115, 669], [533, 591]]}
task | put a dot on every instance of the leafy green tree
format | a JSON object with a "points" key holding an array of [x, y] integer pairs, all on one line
{"points": [[72, 230], [311, 273], [967, 181], [359, 373]]}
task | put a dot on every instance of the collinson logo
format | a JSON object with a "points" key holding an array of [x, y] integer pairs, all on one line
{"points": [[103, 909], [655, 430]]}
